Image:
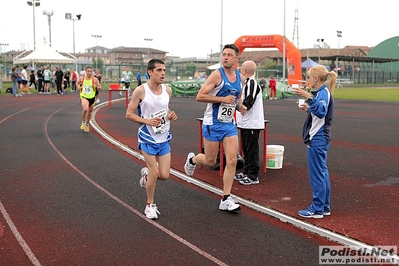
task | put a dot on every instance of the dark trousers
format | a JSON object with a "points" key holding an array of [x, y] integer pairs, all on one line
{"points": [[40, 85], [59, 87], [32, 82], [250, 148], [74, 85]]}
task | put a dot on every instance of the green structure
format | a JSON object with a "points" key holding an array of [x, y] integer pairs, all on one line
{"points": [[186, 88], [190, 88], [387, 49]]}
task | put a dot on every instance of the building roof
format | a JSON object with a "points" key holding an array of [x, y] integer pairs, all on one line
{"points": [[386, 49], [135, 50]]}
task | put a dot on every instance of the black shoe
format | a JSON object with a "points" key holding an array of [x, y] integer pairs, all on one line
{"points": [[248, 181], [239, 176]]}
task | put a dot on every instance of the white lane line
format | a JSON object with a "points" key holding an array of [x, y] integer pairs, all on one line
{"points": [[13, 228], [18, 236], [124, 204]]}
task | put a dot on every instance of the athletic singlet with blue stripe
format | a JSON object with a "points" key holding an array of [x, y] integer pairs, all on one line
{"points": [[154, 106], [220, 113]]}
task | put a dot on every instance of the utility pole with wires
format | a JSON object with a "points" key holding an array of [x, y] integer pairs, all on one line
{"points": [[295, 35]]}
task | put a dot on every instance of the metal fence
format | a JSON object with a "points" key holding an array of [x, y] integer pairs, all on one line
{"points": [[175, 72]]}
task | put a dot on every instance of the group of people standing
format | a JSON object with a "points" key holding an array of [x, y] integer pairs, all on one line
{"points": [[47, 81], [43, 80], [19, 80], [57, 80]]}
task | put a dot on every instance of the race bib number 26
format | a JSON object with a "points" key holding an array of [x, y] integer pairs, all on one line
{"points": [[226, 112]]}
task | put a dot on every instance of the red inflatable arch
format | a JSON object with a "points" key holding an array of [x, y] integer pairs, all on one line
{"points": [[275, 41]]}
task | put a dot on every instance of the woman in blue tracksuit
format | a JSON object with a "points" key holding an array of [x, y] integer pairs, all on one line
{"points": [[317, 136]]}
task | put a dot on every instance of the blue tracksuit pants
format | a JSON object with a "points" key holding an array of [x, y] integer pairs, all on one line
{"points": [[319, 178]]}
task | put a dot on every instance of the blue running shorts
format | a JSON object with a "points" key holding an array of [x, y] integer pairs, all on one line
{"points": [[154, 149], [217, 133]]}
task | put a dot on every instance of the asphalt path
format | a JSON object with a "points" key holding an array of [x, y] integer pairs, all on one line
{"points": [[71, 198]]}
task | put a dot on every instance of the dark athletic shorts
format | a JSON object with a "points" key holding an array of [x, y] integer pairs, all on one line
{"points": [[91, 100]]}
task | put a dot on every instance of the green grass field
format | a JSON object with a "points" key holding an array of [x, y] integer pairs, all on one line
{"points": [[368, 94]]}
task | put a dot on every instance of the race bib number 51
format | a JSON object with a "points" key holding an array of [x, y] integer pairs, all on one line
{"points": [[163, 126]]}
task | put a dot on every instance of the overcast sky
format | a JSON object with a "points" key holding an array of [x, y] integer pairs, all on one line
{"points": [[193, 28]]}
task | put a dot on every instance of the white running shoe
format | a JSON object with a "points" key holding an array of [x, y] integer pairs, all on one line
{"points": [[188, 167], [151, 211], [229, 205], [98, 100], [120, 93], [143, 179]]}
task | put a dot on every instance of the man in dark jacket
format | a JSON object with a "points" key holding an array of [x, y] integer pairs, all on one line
{"points": [[39, 74], [59, 78]]}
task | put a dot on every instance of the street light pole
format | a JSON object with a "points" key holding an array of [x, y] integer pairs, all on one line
{"points": [[34, 3], [221, 32], [339, 35], [3, 56], [96, 36], [78, 17], [319, 41], [49, 14], [284, 50], [148, 40]]}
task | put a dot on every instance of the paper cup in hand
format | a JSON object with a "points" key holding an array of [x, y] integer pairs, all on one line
{"points": [[301, 102]]}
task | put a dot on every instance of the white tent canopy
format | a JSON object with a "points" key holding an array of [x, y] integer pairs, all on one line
{"points": [[214, 67], [44, 54]]}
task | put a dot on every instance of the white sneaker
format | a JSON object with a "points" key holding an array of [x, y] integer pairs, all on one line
{"points": [[20, 95], [143, 179], [229, 205], [151, 211], [188, 167], [120, 93], [98, 100]]}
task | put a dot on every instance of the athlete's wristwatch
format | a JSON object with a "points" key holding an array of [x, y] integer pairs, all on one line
{"points": [[309, 100]]}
